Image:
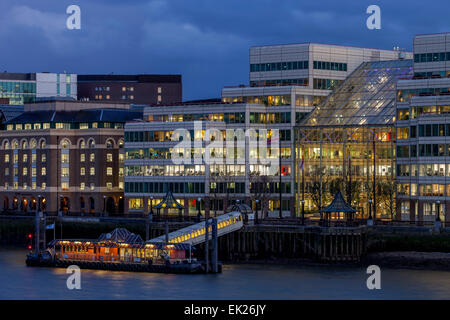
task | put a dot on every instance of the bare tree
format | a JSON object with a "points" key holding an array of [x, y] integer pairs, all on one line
{"points": [[260, 191], [386, 192]]}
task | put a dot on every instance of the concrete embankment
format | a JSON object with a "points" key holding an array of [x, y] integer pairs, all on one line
{"points": [[401, 246], [410, 260]]}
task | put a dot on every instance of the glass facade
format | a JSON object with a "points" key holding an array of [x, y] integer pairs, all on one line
{"points": [[348, 143], [18, 92]]}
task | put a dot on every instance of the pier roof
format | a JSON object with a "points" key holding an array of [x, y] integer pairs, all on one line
{"points": [[339, 205]]}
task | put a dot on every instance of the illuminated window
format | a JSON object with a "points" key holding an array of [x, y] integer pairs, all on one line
{"points": [[109, 171], [25, 171], [92, 157], [43, 171], [82, 171], [65, 185], [109, 157], [43, 157], [82, 157], [6, 157], [92, 171]]}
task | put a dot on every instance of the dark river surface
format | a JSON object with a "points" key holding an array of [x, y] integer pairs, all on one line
{"points": [[235, 282]]}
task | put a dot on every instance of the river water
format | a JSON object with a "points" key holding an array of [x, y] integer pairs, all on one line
{"points": [[235, 282]]}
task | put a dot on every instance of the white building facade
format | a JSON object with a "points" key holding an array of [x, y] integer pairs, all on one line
{"points": [[423, 134]]}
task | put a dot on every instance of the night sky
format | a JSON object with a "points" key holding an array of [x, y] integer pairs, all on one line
{"points": [[207, 41]]}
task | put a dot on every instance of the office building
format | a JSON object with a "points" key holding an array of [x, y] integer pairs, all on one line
{"points": [[151, 170], [423, 133], [64, 156], [134, 89], [21, 88]]}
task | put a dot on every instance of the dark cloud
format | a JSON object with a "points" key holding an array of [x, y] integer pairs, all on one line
{"points": [[207, 41]]}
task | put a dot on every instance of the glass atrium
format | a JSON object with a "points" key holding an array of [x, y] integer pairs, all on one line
{"points": [[347, 143]]}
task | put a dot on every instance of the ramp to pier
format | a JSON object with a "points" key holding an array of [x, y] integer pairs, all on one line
{"points": [[195, 234]]}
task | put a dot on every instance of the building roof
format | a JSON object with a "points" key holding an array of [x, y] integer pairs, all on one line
{"points": [[90, 115], [120, 235], [8, 112], [366, 97], [169, 202], [339, 205], [143, 78]]}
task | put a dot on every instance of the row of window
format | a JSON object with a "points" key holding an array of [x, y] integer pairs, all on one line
{"points": [[404, 95], [64, 186], [336, 66], [326, 84], [279, 66], [64, 171], [416, 112], [424, 150], [427, 190], [304, 82], [64, 125], [17, 87], [270, 118], [163, 187], [423, 170], [235, 117], [166, 153], [432, 74], [431, 57]]}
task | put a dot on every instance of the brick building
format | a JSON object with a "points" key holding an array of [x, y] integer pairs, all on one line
{"points": [[64, 155]]}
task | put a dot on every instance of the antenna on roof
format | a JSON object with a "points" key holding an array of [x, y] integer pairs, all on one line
{"points": [[401, 52]]}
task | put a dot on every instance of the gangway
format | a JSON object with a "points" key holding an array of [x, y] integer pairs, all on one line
{"points": [[195, 234]]}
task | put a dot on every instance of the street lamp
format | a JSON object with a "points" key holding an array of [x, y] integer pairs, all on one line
{"points": [[303, 212], [151, 205], [369, 220], [256, 207], [438, 213], [104, 205], [60, 204], [199, 215]]}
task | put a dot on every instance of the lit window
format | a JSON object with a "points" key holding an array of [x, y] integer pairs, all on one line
{"points": [[82, 186], [92, 171], [25, 171], [92, 157], [82, 157], [92, 186], [25, 158], [43, 157], [43, 171], [65, 185], [109, 157], [43, 185], [109, 185], [65, 172], [109, 171], [82, 171], [6, 157]]}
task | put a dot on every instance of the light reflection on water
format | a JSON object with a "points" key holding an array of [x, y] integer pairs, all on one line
{"points": [[235, 282]]}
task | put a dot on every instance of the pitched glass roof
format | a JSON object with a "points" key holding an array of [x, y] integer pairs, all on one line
{"points": [[366, 97]]}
